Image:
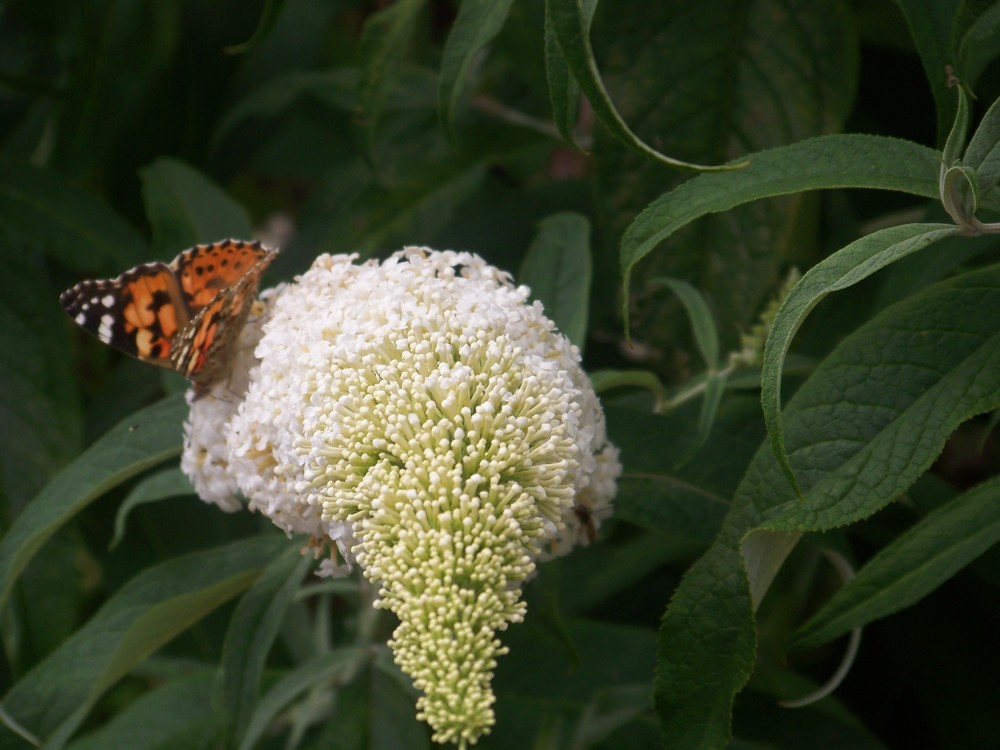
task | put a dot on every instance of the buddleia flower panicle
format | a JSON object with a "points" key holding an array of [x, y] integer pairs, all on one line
{"points": [[425, 417]]}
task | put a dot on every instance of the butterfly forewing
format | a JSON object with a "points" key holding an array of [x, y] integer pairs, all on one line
{"points": [[139, 313], [185, 315]]}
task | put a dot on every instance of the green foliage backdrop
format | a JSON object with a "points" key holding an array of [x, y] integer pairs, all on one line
{"points": [[653, 171]]}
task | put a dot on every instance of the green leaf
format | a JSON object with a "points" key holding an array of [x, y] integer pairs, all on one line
{"points": [[833, 161], [39, 408], [914, 565], [702, 322], [268, 18], [570, 23], [164, 484], [606, 380], [73, 226], [976, 38], [177, 714], [983, 153], [931, 26], [333, 88], [955, 143], [252, 630], [557, 268], [384, 39], [146, 613], [564, 92], [185, 208], [335, 666], [871, 419], [366, 217], [843, 269], [477, 22], [374, 711], [138, 442]]}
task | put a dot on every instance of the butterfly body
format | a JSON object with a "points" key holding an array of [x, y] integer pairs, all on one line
{"points": [[184, 315]]}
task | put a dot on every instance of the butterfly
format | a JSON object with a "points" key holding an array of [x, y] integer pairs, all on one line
{"points": [[184, 315]]}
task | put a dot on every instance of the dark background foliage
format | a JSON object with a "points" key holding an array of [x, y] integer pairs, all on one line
{"points": [[130, 129]]}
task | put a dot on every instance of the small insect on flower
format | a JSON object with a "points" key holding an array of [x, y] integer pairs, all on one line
{"points": [[184, 315]]}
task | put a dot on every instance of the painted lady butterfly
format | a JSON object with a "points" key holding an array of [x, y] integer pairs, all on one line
{"points": [[185, 315]]}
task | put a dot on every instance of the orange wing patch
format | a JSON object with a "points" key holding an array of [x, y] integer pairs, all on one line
{"points": [[185, 316]]}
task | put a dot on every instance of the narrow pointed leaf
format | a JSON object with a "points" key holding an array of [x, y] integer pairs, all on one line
{"points": [[269, 16], [564, 91], [955, 144], [983, 153], [702, 323], [146, 613], [385, 37], [177, 714], [170, 482], [143, 440], [914, 565], [825, 162], [336, 665], [477, 22], [251, 633]]}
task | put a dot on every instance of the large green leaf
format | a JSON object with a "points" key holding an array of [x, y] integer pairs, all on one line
{"points": [[569, 22], [140, 441], [870, 420], [927, 555], [185, 208], [146, 613], [711, 81], [843, 269]]}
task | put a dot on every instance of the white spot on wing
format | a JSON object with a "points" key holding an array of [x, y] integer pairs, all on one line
{"points": [[104, 329], [81, 318], [108, 300]]}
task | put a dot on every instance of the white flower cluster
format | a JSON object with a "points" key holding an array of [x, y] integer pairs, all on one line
{"points": [[432, 423]]}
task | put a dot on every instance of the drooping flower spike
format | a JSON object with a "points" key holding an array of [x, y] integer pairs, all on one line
{"points": [[429, 421]]}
